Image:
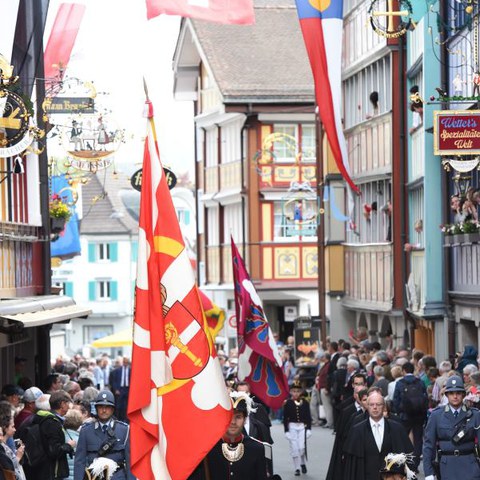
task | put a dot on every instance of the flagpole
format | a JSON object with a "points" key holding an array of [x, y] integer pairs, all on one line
{"points": [[320, 228]]}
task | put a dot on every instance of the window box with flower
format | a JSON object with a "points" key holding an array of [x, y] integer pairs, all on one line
{"points": [[59, 214], [464, 232], [450, 232], [470, 231]]}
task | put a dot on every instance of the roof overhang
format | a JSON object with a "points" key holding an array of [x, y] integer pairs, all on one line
{"points": [[19, 313], [186, 62]]}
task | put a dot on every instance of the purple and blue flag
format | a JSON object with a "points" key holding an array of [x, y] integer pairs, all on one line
{"points": [[259, 362]]}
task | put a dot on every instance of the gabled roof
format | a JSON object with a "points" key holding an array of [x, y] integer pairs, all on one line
{"points": [[266, 61], [103, 209]]}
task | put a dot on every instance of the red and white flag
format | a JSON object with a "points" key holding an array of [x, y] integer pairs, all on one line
{"points": [[62, 38], [219, 11], [178, 405]]}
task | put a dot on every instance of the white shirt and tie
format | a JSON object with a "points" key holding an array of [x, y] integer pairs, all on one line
{"points": [[124, 379], [378, 430]]}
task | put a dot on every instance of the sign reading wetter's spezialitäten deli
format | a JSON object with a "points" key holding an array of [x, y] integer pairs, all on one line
{"points": [[456, 132]]}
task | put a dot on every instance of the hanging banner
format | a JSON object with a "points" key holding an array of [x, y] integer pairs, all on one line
{"points": [[456, 132]]}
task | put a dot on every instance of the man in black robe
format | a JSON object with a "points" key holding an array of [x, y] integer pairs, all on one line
{"points": [[351, 413], [371, 440]]}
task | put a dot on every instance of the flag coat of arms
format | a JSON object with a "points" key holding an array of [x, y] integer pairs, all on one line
{"points": [[321, 22], [259, 361], [178, 405], [219, 11]]}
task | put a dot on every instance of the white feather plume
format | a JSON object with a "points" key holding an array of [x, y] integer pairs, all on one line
{"points": [[103, 466], [236, 396], [401, 459]]}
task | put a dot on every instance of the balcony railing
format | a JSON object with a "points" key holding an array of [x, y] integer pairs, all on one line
{"points": [[465, 274], [231, 175], [369, 276], [211, 179], [213, 264]]}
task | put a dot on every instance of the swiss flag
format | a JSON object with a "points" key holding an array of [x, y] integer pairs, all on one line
{"points": [[178, 404], [219, 11]]}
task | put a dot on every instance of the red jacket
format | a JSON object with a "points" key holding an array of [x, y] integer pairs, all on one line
{"points": [[322, 377]]}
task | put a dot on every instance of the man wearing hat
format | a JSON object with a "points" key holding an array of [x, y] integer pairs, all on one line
{"points": [[29, 408], [450, 437], [235, 455], [297, 422], [397, 468], [12, 394], [107, 438]]}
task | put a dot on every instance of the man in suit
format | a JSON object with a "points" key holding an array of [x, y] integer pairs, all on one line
{"points": [[121, 387], [451, 434], [371, 440]]}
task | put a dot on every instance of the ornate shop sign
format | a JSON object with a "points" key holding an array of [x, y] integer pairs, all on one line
{"points": [[456, 132]]}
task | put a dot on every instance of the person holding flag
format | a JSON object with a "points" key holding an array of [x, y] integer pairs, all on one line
{"points": [[236, 455]]}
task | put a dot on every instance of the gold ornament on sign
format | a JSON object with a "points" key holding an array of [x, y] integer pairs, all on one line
{"points": [[17, 131], [383, 21]]}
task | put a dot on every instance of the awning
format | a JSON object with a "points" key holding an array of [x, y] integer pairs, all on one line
{"points": [[19, 313], [119, 339]]}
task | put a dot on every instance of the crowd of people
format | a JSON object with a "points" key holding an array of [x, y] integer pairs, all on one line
{"points": [[400, 402], [59, 429], [389, 409]]}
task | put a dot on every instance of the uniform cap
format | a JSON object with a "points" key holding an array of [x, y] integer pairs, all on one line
{"points": [[296, 384], [242, 402], [454, 384], [105, 397]]}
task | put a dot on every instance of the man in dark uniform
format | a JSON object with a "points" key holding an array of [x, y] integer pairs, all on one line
{"points": [[235, 455], [297, 422], [371, 440], [107, 437], [451, 433]]}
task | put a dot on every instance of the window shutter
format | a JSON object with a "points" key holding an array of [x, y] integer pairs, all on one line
{"points": [[114, 290], [91, 252], [68, 289], [92, 291], [113, 252]]}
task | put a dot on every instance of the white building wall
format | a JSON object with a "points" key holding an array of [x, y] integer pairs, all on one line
{"points": [[114, 315]]}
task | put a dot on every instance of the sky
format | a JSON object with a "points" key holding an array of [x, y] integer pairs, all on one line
{"points": [[116, 48]]}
